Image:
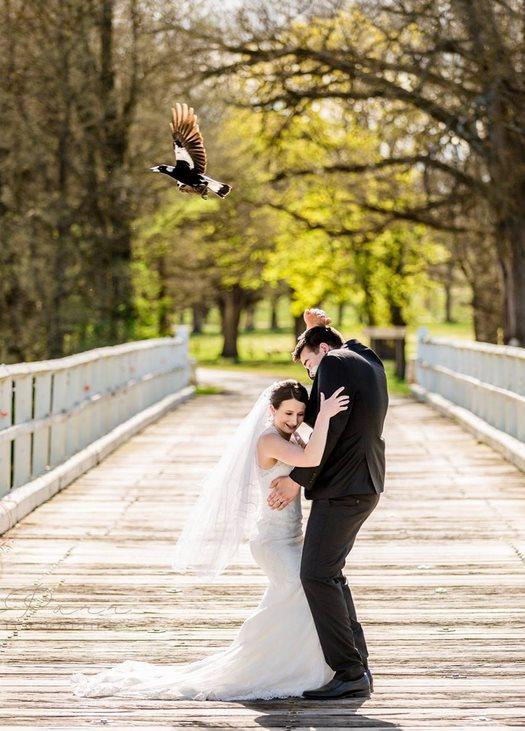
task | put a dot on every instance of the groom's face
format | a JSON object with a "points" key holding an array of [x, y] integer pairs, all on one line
{"points": [[310, 359]]}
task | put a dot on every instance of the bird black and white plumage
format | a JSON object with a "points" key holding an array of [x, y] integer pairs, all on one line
{"points": [[190, 156]]}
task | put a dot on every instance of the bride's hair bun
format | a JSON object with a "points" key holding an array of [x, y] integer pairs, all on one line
{"points": [[285, 390]]}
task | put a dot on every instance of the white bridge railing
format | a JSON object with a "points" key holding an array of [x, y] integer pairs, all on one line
{"points": [[50, 410], [487, 380]]}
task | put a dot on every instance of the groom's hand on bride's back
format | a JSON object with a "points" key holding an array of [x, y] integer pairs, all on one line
{"points": [[283, 491]]}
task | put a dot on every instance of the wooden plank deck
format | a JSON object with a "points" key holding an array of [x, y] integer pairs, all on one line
{"points": [[438, 573]]}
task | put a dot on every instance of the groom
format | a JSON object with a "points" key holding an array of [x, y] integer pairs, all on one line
{"points": [[344, 490]]}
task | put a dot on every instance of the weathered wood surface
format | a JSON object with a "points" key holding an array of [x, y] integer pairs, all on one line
{"points": [[438, 573]]}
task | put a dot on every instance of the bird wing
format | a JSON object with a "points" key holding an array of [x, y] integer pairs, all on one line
{"points": [[187, 140]]}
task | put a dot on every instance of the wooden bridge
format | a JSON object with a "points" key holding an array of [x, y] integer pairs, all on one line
{"points": [[438, 574]]}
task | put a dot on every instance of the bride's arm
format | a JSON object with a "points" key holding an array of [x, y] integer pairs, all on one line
{"points": [[272, 445]]}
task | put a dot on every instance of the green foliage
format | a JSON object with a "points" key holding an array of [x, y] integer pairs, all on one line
{"points": [[401, 257], [95, 249], [166, 260], [192, 251], [332, 244]]}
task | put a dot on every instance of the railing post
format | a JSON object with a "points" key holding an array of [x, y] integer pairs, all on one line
{"points": [[188, 372], [41, 435], [22, 451], [421, 355], [5, 421], [58, 429]]}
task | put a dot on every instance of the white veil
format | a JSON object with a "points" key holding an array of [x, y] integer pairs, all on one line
{"points": [[223, 515]]}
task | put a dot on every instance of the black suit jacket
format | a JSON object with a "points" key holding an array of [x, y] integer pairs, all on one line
{"points": [[353, 461]]}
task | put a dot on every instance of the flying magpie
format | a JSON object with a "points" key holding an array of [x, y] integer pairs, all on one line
{"points": [[190, 156]]}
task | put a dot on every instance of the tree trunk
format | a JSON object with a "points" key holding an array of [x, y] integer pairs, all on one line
{"points": [[61, 240], [368, 307], [164, 307], [477, 257], [274, 303], [249, 324], [299, 326], [199, 313], [115, 139], [513, 268], [486, 319], [340, 314], [231, 304], [364, 272], [55, 322], [448, 292], [396, 314]]}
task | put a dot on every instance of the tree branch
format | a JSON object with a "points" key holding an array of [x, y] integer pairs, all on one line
{"points": [[343, 231], [419, 214], [377, 85], [461, 176]]}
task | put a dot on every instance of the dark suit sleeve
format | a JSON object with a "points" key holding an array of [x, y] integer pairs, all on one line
{"points": [[312, 408], [333, 373]]}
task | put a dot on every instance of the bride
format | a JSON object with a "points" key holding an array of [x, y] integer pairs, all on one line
{"points": [[276, 652]]}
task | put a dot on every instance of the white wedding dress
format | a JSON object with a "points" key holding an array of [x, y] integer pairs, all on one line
{"points": [[276, 652]]}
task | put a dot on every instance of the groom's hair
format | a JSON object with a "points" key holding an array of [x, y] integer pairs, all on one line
{"points": [[314, 336]]}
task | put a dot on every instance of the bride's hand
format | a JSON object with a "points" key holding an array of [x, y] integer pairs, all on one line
{"points": [[301, 443], [333, 405], [314, 316]]}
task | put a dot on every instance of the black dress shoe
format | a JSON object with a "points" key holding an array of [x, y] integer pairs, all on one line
{"points": [[338, 688], [370, 678]]}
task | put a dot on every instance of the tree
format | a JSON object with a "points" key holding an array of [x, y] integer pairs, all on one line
{"points": [[453, 68], [332, 245], [72, 78], [215, 250]]}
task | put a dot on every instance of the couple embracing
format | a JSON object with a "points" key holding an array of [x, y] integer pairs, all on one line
{"points": [[304, 638]]}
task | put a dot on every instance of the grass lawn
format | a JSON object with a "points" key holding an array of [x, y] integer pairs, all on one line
{"points": [[288, 369], [268, 352]]}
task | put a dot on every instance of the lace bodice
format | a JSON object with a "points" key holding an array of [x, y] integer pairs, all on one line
{"points": [[277, 523]]}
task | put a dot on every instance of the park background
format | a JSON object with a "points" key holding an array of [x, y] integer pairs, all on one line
{"points": [[375, 150]]}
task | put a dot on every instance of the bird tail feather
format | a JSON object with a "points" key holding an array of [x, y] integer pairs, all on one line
{"points": [[220, 189]]}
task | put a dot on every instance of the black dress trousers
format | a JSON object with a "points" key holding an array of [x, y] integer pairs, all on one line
{"points": [[330, 534]]}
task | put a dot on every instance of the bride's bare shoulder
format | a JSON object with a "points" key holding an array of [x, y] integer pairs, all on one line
{"points": [[264, 448], [268, 438], [268, 435]]}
